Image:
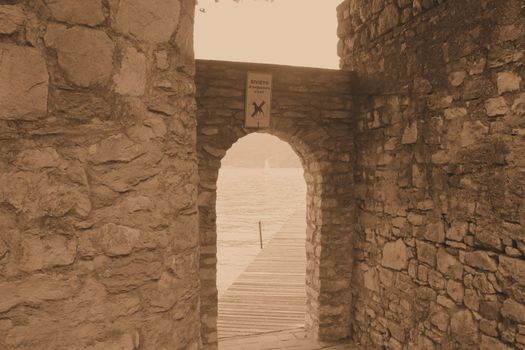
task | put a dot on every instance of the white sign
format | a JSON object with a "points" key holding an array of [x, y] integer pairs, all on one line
{"points": [[258, 100]]}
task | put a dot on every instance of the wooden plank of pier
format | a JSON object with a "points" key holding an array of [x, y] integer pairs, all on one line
{"points": [[270, 294]]}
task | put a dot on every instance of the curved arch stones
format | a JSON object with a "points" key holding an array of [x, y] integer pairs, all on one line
{"points": [[311, 110]]}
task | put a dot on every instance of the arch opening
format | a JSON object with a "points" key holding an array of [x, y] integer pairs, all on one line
{"points": [[260, 290]]}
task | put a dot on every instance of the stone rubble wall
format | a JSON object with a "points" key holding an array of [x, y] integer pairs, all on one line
{"points": [[440, 172], [312, 111], [98, 175]]}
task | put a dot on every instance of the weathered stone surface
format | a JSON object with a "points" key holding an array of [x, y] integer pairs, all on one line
{"points": [[388, 19], [426, 252], [481, 260], [518, 106], [395, 255], [489, 343], [410, 134], [88, 12], [153, 21], [42, 253], [115, 240], [471, 300], [161, 59], [35, 290], [123, 342], [35, 196], [3, 248], [449, 265], [513, 268], [184, 37], [85, 55], [371, 279], [434, 232], [131, 77], [464, 328], [23, 83], [508, 82], [455, 290], [117, 148], [513, 310], [457, 78], [440, 319], [472, 132], [12, 17], [496, 106], [455, 113], [38, 159]]}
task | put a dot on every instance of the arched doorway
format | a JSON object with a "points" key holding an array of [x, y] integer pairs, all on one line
{"points": [[311, 109], [261, 290]]}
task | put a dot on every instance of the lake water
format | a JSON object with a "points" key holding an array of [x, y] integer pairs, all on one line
{"points": [[246, 196]]}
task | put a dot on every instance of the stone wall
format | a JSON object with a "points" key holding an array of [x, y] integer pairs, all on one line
{"points": [[439, 172], [98, 175], [311, 110]]}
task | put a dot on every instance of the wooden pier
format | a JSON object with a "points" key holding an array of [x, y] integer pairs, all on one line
{"points": [[269, 295]]}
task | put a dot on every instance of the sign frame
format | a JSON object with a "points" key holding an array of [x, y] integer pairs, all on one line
{"points": [[258, 102]]}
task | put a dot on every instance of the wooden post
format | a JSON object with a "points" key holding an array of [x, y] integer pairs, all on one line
{"points": [[260, 234]]}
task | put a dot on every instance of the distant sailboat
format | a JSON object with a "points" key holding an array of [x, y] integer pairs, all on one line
{"points": [[267, 163]]}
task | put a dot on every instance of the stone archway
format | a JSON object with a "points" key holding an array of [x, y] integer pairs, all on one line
{"points": [[311, 112]]}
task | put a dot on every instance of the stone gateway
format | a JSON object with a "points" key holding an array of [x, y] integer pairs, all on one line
{"points": [[112, 135]]}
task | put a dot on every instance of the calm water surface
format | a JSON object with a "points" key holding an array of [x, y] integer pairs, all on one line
{"points": [[244, 197]]}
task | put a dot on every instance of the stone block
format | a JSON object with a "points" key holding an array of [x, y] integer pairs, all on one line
{"points": [[512, 267], [121, 342], [481, 260], [36, 159], [12, 17], [117, 148], [496, 106], [518, 107], [513, 310], [184, 38], [395, 255], [35, 290], [457, 78], [449, 265], [472, 132], [489, 343], [88, 12], [131, 77], [117, 240], [85, 55], [426, 253], [153, 21], [471, 300], [441, 320], [34, 195], [508, 82], [463, 328], [24, 83], [410, 134], [434, 232], [455, 290], [388, 19], [46, 252], [371, 280], [455, 113]]}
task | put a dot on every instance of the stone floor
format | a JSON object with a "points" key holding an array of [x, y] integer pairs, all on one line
{"points": [[290, 339]]}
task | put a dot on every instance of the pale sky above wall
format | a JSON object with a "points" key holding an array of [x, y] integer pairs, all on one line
{"points": [[290, 32]]}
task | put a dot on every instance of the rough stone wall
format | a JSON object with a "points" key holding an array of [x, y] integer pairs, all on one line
{"points": [[98, 175], [311, 110], [439, 173]]}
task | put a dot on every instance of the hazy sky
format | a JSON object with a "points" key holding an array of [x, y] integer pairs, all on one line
{"points": [[292, 32]]}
